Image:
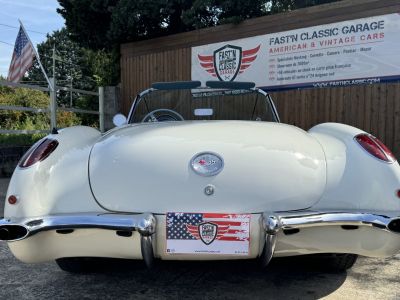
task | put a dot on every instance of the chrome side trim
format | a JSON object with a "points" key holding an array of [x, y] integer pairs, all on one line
{"points": [[272, 223]]}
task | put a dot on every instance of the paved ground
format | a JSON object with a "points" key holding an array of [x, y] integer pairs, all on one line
{"points": [[285, 279]]}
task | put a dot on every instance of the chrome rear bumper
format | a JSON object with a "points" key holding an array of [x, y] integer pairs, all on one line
{"points": [[145, 225], [272, 223]]}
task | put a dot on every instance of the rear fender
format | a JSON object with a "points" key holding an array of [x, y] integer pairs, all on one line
{"points": [[58, 184], [355, 179]]}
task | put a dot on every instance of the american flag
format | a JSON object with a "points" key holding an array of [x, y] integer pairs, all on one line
{"points": [[232, 233], [22, 57]]}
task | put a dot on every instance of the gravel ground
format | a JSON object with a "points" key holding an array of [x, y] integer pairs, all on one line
{"points": [[293, 278]]}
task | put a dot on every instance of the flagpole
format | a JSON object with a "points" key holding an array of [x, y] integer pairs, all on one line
{"points": [[53, 100], [37, 56]]}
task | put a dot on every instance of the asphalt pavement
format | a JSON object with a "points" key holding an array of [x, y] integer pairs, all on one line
{"points": [[289, 278]]}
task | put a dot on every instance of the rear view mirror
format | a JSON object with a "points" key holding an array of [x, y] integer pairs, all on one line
{"points": [[119, 120]]}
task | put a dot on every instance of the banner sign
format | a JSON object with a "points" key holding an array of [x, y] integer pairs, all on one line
{"points": [[359, 51]]}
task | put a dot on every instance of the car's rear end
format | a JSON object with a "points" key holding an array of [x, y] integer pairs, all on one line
{"points": [[202, 174]]}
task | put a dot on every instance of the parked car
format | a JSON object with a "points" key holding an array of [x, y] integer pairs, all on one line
{"points": [[203, 173]]}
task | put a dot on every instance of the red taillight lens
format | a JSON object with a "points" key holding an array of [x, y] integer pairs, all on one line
{"points": [[375, 147], [385, 149], [38, 153]]}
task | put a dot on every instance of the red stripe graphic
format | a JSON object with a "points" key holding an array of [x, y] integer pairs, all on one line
{"points": [[230, 227], [229, 223], [194, 231], [207, 65], [205, 58], [233, 238], [216, 216], [251, 51], [248, 59]]}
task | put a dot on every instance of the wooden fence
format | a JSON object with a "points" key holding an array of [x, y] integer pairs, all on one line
{"points": [[374, 108]]}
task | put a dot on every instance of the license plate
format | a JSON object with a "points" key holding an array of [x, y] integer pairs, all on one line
{"points": [[208, 233]]}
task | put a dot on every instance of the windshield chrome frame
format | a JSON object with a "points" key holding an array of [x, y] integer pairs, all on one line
{"points": [[138, 98]]}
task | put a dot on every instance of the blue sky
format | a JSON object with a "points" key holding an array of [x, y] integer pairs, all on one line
{"points": [[36, 15]]}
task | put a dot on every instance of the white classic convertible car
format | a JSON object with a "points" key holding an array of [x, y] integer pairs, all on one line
{"points": [[203, 173]]}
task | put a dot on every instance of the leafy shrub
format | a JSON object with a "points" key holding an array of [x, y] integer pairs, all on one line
{"points": [[24, 120], [19, 139]]}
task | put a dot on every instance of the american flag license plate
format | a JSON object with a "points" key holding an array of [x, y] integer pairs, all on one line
{"points": [[208, 233]]}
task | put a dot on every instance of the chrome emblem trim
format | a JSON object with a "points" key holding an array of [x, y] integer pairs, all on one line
{"points": [[207, 163]]}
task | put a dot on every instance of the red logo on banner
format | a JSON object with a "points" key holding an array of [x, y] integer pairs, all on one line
{"points": [[228, 61]]}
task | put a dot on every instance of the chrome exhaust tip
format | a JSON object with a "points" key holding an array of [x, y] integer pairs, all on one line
{"points": [[13, 232], [394, 225], [4, 234]]}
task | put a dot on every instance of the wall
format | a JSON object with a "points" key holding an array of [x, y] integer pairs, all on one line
{"points": [[374, 108]]}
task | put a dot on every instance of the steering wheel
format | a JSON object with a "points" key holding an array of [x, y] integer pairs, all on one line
{"points": [[161, 115]]}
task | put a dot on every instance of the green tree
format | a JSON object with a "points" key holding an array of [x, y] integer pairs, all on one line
{"points": [[104, 24], [72, 63], [84, 68], [78, 67], [88, 21], [277, 6]]}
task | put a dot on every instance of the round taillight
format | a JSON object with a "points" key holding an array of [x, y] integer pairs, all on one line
{"points": [[375, 147], [12, 199], [38, 152], [398, 193]]}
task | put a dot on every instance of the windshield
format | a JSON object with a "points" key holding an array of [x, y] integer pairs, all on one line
{"points": [[202, 104]]}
